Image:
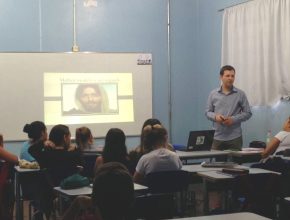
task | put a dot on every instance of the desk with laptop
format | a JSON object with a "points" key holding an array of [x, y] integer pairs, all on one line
{"points": [[199, 146]]}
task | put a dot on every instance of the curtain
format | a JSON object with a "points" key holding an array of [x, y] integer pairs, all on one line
{"points": [[256, 41]]}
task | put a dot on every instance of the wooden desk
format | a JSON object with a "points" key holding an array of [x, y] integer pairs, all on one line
{"points": [[235, 216], [195, 168], [18, 199], [240, 157], [189, 155], [245, 156]]}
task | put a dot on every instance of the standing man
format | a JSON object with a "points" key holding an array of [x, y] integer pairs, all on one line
{"points": [[227, 106]]}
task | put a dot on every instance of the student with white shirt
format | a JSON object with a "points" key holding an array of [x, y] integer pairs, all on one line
{"points": [[280, 142], [160, 158]]}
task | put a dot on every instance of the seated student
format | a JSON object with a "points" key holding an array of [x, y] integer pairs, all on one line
{"points": [[59, 160], [160, 158], [115, 149], [280, 142], [36, 131], [57, 155], [7, 160], [84, 138], [142, 149], [112, 196]]}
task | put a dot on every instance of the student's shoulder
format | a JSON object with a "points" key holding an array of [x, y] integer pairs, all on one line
{"points": [[282, 134]]}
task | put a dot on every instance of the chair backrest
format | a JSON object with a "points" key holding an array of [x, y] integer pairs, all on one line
{"points": [[89, 165], [30, 183], [168, 181]]}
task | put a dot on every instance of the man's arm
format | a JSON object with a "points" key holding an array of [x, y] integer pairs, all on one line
{"points": [[138, 177], [271, 147], [210, 114], [209, 110], [245, 112], [6, 155], [1, 140]]}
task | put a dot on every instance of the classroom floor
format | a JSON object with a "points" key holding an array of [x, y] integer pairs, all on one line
{"points": [[26, 211]]}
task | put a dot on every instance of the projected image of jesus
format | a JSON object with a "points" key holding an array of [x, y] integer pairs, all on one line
{"points": [[90, 99]]}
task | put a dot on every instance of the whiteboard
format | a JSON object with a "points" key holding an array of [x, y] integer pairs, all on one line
{"points": [[43, 86]]}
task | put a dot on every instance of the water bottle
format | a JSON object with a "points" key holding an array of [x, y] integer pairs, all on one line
{"points": [[269, 136]]}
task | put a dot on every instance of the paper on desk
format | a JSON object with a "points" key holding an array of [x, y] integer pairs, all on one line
{"points": [[252, 149]]}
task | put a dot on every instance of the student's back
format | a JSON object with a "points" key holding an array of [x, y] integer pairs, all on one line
{"points": [[160, 158], [115, 149], [56, 155], [143, 148], [59, 163]]}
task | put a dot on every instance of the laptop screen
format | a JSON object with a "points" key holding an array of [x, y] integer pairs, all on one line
{"points": [[200, 140]]}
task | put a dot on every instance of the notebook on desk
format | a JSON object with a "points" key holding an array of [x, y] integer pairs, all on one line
{"points": [[200, 140]]}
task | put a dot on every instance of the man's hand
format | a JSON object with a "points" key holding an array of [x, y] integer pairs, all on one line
{"points": [[228, 121], [219, 118]]}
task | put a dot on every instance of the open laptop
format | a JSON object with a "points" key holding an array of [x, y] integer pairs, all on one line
{"points": [[200, 140]]}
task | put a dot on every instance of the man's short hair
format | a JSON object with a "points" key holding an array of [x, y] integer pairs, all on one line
{"points": [[113, 191], [226, 67]]}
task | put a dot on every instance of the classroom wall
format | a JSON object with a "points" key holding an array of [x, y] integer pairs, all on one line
{"points": [[264, 118], [180, 89]]}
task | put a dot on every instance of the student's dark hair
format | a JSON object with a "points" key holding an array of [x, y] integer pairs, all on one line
{"points": [[34, 130], [154, 135], [83, 135], [150, 121], [226, 67], [115, 146], [81, 88], [57, 134], [113, 191]]}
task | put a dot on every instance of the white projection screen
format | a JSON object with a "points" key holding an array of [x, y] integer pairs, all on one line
{"points": [[97, 90]]}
